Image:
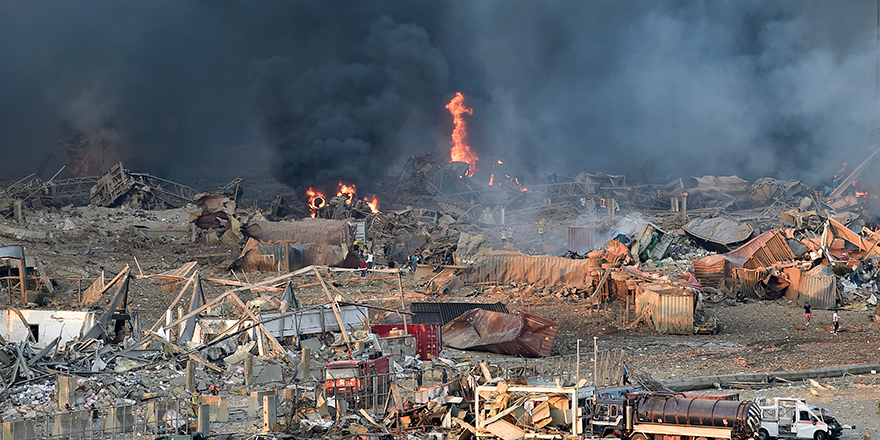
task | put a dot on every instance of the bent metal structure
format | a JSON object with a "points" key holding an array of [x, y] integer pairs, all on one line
{"points": [[518, 335]]}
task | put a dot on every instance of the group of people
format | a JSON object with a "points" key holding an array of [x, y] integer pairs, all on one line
{"points": [[835, 318], [367, 257]]}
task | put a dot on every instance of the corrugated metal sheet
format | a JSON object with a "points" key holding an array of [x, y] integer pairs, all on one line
{"points": [[286, 256], [332, 232], [750, 279], [671, 309], [712, 269], [540, 271], [429, 313], [744, 253], [583, 238], [819, 289]]}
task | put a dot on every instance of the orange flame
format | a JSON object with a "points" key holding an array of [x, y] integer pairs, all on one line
{"points": [[500, 162], [854, 182], [524, 189], [346, 190], [861, 194], [461, 152], [316, 201], [373, 204], [491, 180]]}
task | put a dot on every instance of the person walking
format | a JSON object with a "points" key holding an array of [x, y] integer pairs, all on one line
{"points": [[835, 319], [626, 374], [95, 415], [369, 259], [807, 313]]}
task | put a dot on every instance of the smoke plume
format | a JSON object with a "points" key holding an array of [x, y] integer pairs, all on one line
{"points": [[341, 90]]}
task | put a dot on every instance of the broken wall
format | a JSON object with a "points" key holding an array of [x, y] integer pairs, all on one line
{"points": [[47, 324]]}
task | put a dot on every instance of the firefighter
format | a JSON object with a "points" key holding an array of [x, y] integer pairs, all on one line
{"points": [[541, 230], [504, 235]]}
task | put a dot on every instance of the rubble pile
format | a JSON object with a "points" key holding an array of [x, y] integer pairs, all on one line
{"points": [[458, 309]]}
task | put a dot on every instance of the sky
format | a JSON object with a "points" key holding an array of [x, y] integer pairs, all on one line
{"points": [[340, 90]]}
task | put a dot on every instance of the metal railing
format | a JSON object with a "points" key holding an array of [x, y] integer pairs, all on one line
{"points": [[157, 417]]}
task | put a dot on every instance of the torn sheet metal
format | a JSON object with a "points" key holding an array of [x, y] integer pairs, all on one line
{"points": [[443, 312], [332, 232], [764, 250], [537, 270], [719, 230], [515, 335]]}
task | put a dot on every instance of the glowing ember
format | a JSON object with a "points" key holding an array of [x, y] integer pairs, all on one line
{"points": [[461, 152], [373, 204], [316, 201], [491, 180], [861, 194], [524, 189], [346, 190], [500, 162]]}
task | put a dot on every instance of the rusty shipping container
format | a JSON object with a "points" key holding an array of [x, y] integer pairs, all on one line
{"points": [[671, 309], [819, 288], [583, 238]]}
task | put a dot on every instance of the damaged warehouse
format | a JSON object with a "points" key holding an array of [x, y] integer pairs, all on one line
{"points": [[449, 220], [319, 342]]}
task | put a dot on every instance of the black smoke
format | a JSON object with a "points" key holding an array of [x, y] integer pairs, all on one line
{"points": [[348, 121], [341, 90]]}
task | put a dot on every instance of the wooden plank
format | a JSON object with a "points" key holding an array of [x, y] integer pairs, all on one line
{"points": [[507, 411], [505, 430], [465, 425]]}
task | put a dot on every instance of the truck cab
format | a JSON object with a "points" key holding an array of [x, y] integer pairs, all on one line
{"points": [[608, 418], [357, 379], [794, 418]]}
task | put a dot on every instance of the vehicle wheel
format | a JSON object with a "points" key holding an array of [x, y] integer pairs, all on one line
{"points": [[763, 435], [640, 436], [821, 435]]}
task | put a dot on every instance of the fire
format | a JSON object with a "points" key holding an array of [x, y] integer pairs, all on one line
{"points": [[491, 180], [346, 190], [373, 204], [861, 194], [461, 152], [500, 162], [524, 189], [316, 201]]}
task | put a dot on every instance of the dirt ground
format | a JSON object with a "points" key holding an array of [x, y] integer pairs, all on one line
{"points": [[758, 336]]}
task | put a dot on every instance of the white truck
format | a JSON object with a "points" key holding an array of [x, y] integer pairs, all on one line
{"points": [[794, 418]]}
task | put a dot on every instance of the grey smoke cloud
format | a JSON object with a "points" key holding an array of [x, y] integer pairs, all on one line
{"points": [[345, 90]]}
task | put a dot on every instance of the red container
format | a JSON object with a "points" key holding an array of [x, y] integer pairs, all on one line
{"points": [[427, 337]]}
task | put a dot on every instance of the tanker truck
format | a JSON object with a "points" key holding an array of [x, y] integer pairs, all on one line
{"points": [[647, 415]]}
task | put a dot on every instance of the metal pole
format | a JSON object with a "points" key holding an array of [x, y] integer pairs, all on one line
{"points": [[595, 368], [577, 365]]}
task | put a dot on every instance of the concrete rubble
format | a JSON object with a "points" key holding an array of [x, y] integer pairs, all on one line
{"points": [[142, 296]]}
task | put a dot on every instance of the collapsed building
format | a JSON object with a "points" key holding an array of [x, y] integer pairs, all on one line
{"points": [[408, 359]]}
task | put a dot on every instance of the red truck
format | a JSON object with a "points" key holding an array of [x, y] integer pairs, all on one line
{"points": [[358, 380]]}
